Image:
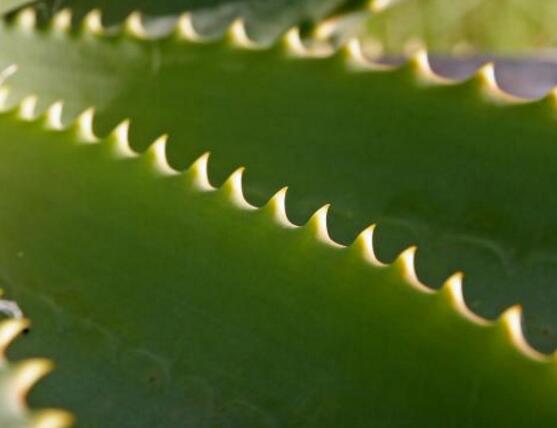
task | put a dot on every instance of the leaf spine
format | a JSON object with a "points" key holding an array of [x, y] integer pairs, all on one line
{"points": [[92, 22], [84, 126], [277, 206], [27, 108], [9, 330], [406, 261], [53, 119], [234, 190], [26, 19], [186, 30], [364, 245], [157, 152], [134, 25], [51, 418], [357, 59], [453, 290], [490, 87], [512, 322], [62, 21], [198, 173], [7, 72], [120, 140], [239, 37], [317, 224], [27, 373], [424, 71]]}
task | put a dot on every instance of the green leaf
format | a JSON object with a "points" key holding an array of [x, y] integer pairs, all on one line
{"points": [[508, 27], [263, 16], [392, 148], [15, 381], [166, 302]]}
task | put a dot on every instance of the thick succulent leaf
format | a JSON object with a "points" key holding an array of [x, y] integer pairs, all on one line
{"points": [[155, 291], [393, 148], [17, 378], [263, 16], [508, 26]]}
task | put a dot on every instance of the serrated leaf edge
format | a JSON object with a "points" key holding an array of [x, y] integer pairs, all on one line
{"points": [[292, 44], [197, 178], [23, 376]]}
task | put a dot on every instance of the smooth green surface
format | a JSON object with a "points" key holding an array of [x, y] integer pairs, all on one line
{"points": [[167, 306], [468, 181]]}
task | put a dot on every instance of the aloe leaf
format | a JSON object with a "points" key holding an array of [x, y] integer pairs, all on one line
{"points": [[492, 26], [153, 290], [393, 148], [17, 378], [263, 17]]}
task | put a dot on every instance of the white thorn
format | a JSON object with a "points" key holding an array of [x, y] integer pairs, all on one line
{"points": [[355, 54], [296, 47], [52, 419], [239, 36], [453, 287], [318, 224], [62, 21], [134, 25], [326, 29], [121, 142], [357, 58], [26, 19], [492, 89], [92, 22], [199, 174], [7, 72], [364, 243], [9, 330], [294, 44], [277, 205], [233, 187], [186, 29], [377, 6], [26, 375], [487, 72], [425, 72], [85, 126], [512, 320], [158, 151], [27, 108], [54, 116], [407, 262]]}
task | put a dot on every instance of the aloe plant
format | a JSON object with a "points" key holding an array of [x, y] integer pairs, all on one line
{"points": [[165, 298], [508, 27]]}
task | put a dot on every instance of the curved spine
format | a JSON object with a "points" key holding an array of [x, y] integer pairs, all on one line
{"points": [[318, 222], [238, 36], [233, 189], [62, 21], [133, 25], [92, 23], [26, 19], [22, 376], [276, 206]]}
